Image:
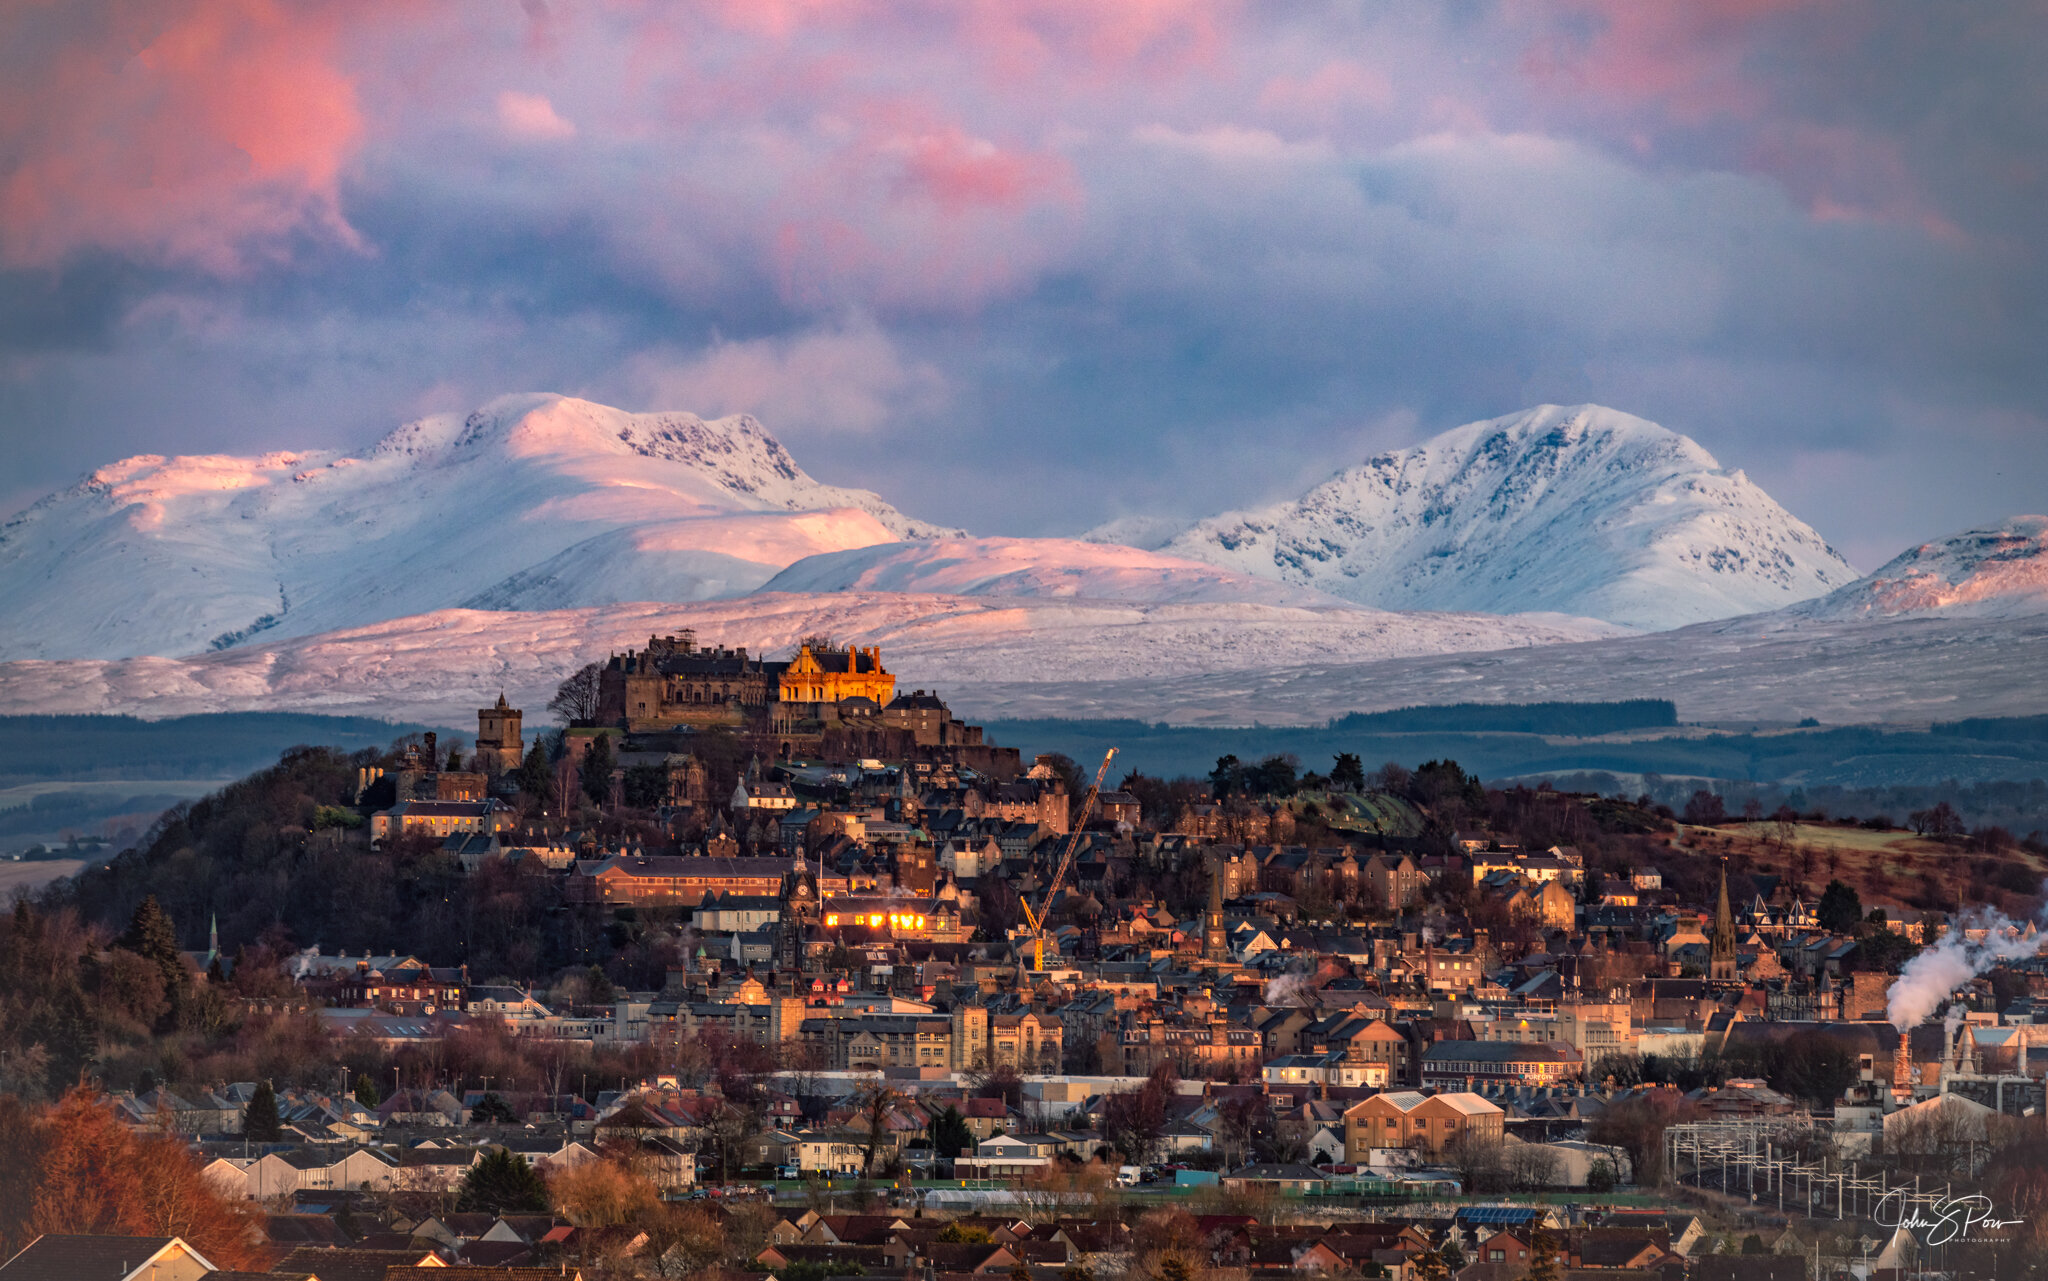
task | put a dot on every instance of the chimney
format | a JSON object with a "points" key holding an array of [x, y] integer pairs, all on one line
{"points": [[1902, 1080]]}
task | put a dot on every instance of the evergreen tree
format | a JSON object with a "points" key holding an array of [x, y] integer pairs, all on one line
{"points": [[503, 1183], [151, 936], [1348, 774], [537, 776], [1429, 1265], [1840, 908], [492, 1110], [1542, 1258], [365, 1091], [950, 1135], [261, 1123], [596, 770], [454, 760]]}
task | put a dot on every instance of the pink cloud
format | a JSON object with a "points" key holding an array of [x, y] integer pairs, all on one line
{"points": [[1845, 175], [184, 130], [1327, 94], [908, 209], [957, 171], [1646, 68], [531, 117], [1688, 60]]}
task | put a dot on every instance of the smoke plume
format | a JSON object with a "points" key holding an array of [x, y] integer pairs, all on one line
{"points": [[1929, 977], [1287, 989]]}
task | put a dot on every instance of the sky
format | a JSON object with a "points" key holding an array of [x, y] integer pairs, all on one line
{"points": [[1027, 265]]}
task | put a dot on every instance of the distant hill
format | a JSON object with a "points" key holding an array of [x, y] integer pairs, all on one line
{"points": [[2000, 571]]}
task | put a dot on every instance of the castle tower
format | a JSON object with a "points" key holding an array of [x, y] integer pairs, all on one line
{"points": [[1215, 942], [1721, 961], [499, 747]]}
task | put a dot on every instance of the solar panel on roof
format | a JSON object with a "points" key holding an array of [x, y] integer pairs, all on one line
{"points": [[1496, 1214]]}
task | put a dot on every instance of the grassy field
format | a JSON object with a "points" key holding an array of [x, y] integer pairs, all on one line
{"points": [[27, 876], [1882, 867]]}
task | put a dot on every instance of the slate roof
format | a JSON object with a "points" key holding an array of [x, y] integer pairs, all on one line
{"points": [[57, 1256]]}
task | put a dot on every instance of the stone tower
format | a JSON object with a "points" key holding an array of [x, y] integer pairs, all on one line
{"points": [[1721, 960], [1215, 941], [499, 748], [799, 911]]}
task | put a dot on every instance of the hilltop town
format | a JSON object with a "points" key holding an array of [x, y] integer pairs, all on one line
{"points": [[815, 979]]}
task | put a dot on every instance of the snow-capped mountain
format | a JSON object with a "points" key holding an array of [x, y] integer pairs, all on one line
{"points": [[1996, 572], [1031, 567], [1583, 511], [533, 502]]}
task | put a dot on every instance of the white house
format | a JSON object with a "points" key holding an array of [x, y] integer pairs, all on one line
{"points": [[763, 796], [283, 1173], [826, 1152], [230, 1178], [1332, 1067], [1003, 1157]]}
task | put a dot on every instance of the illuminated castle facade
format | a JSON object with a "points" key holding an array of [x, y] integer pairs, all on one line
{"points": [[831, 676], [831, 701]]}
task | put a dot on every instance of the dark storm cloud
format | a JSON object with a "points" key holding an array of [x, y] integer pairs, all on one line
{"points": [[1023, 268]]}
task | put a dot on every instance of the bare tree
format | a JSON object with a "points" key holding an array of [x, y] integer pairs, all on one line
{"points": [[1479, 1159], [729, 1128], [1532, 1167], [877, 1102], [576, 697]]}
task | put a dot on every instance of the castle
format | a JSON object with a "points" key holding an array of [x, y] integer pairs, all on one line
{"points": [[830, 701]]}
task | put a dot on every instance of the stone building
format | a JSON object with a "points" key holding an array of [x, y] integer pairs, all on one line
{"points": [[499, 743], [1407, 1119]]}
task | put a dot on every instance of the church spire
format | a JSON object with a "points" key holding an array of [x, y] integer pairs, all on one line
{"points": [[1721, 964]]}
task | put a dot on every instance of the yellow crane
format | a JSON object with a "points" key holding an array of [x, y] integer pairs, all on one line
{"points": [[1037, 919]]}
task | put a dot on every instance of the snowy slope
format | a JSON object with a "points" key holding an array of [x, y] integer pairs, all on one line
{"points": [[534, 500], [1582, 510], [1997, 572], [1896, 671], [1226, 664], [1055, 567], [434, 667]]}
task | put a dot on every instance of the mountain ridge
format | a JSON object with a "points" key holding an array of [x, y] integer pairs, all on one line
{"points": [[159, 554], [1580, 510], [1036, 567], [1992, 571]]}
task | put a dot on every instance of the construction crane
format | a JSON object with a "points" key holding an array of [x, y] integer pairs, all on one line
{"points": [[1037, 919]]}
